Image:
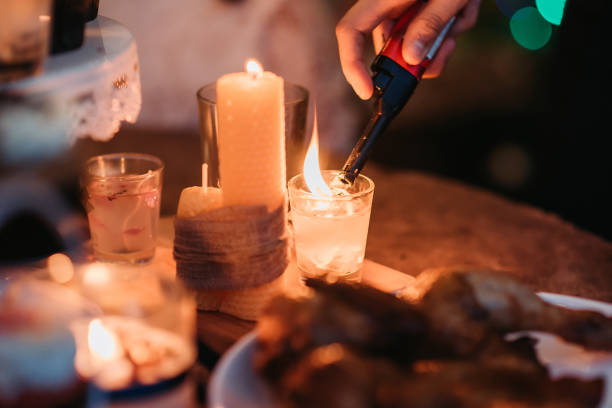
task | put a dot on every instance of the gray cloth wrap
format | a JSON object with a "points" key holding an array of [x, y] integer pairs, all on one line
{"points": [[233, 247]]}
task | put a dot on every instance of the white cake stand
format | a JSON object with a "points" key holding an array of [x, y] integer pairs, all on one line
{"points": [[87, 92]]}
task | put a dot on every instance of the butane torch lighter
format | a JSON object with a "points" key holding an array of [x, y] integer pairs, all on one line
{"points": [[394, 82]]}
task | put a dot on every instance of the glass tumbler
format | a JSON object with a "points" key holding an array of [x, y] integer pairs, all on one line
{"points": [[122, 199], [296, 112], [330, 232]]}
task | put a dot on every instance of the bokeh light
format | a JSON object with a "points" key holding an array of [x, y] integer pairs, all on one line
{"points": [[510, 166], [509, 7], [60, 268], [96, 274], [529, 28], [551, 10]]}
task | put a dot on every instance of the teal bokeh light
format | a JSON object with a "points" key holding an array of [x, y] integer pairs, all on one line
{"points": [[551, 10], [529, 28]]}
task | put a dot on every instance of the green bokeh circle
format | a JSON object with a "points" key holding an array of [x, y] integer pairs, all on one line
{"points": [[529, 28], [551, 10]]}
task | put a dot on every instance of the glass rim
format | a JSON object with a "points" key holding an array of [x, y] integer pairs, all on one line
{"points": [[311, 196], [293, 101], [114, 156]]}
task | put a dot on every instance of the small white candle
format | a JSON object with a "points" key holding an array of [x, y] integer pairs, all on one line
{"points": [[251, 137], [197, 200]]}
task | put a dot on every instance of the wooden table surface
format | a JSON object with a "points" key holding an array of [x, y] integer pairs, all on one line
{"points": [[420, 221]]}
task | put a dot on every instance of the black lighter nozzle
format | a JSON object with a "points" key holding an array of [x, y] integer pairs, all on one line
{"points": [[393, 86], [356, 160]]}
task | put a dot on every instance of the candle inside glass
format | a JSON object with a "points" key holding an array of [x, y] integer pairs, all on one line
{"points": [[143, 335], [330, 232], [123, 195]]}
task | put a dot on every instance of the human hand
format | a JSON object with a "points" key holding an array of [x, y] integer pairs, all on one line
{"points": [[377, 17]]}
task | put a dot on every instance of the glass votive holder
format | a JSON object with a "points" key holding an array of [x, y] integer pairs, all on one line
{"points": [[122, 199], [330, 232], [296, 113], [143, 340]]}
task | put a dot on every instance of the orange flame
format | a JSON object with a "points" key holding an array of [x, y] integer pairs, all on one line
{"points": [[254, 68], [312, 169]]}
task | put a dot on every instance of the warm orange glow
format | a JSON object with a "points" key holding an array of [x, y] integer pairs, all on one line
{"points": [[96, 274], [60, 268], [253, 67], [312, 169], [103, 343], [326, 355]]}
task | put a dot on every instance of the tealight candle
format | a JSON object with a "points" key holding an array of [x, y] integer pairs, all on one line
{"points": [[330, 224], [142, 339], [118, 352]]}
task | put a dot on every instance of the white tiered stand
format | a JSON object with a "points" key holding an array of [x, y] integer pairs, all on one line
{"points": [[87, 92]]}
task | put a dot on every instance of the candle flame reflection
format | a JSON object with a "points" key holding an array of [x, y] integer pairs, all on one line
{"points": [[103, 343], [312, 169], [254, 68]]}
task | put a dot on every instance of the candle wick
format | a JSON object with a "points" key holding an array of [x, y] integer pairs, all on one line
{"points": [[204, 177], [255, 75]]}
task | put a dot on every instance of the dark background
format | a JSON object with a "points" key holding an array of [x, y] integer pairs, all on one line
{"points": [[530, 125]]}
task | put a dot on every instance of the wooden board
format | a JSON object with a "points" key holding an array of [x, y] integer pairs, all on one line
{"points": [[219, 331]]}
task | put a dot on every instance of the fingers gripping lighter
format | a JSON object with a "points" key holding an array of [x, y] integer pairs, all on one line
{"points": [[394, 82]]}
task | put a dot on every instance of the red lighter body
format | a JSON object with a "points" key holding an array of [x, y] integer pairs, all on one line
{"points": [[393, 47], [394, 82]]}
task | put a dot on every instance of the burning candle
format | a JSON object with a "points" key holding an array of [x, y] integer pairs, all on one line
{"points": [[330, 222], [251, 138], [119, 353], [141, 340]]}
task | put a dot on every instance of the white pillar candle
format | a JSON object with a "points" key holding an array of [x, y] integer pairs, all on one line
{"points": [[251, 137]]}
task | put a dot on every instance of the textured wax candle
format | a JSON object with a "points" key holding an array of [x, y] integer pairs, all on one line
{"points": [[195, 200], [251, 138]]}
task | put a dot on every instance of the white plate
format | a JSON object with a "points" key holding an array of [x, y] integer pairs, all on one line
{"points": [[235, 384]]}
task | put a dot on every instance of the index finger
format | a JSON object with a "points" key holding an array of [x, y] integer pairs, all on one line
{"points": [[351, 31], [423, 30]]}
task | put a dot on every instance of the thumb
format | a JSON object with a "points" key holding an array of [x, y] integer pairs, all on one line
{"points": [[426, 26]]}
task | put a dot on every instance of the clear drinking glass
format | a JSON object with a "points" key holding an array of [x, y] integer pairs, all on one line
{"points": [[330, 233], [122, 199], [296, 112]]}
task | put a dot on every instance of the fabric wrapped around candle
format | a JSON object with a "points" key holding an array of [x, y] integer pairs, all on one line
{"points": [[233, 247], [246, 304]]}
